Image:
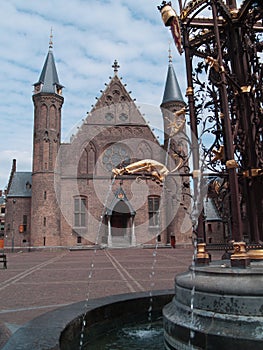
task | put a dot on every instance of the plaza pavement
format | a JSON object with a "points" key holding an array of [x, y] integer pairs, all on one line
{"points": [[40, 281]]}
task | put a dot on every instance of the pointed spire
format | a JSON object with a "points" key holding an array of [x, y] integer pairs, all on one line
{"points": [[172, 91], [48, 80]]}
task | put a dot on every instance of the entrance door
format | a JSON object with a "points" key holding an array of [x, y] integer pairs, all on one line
{"points": [[120, 219]]}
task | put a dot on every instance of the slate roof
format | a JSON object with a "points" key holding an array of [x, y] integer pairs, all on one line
{"points": [[21, 185], [49, 75], [172, 91]]}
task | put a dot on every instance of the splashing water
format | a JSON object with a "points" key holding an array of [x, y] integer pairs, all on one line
{"points": [[91, 271], [134, 337], [152, 284], [152, 273]]}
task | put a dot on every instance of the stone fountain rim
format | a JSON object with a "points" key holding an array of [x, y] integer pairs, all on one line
{"points": [[43, 332], [223, 280]]}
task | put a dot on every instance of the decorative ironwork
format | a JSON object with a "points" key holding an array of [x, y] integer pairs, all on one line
{"points": [[223, 48]]}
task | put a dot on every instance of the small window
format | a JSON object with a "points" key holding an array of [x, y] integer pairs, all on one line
{"points": [[80, 212], [45, 221], [24, 223], [79, 239], [45, 195], [153, 210]]}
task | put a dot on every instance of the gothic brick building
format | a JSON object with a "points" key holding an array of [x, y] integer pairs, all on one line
{"points": [[71, 196]]}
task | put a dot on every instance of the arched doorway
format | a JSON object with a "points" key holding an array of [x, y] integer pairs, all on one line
{"points": [[120, 220]]}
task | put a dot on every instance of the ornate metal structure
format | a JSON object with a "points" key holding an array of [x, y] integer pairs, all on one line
{"points": [[223, 48]]}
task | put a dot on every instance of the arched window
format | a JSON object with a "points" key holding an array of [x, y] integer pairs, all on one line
{"points": [[42, 121], [53, 117], [83, 163], [91, 158], [87, 160]]}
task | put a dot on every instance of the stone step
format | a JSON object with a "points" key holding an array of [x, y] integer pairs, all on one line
{"points": [[120, 242]]}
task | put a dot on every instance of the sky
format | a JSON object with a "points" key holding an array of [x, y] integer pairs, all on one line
{"points": [[88, 35]]}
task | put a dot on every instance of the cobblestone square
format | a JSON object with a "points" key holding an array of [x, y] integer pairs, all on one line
{"points": [[37, 282]]}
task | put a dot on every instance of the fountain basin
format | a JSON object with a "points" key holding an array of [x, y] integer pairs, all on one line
{"points": [[213, 307], [61, 328], [216, 307]]}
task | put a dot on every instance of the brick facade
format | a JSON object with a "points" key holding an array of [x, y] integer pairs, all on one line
{"points": [[74, 198]]}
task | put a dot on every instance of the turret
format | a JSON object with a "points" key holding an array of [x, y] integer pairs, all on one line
{"points": [[172, 100], [172, 107], [48, 101]]}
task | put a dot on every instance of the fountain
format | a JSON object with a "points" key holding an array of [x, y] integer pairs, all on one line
{"points": [[226, 311], [220, 305]]}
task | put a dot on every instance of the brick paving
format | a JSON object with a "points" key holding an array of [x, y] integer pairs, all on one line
{"points": [[37, 282]]}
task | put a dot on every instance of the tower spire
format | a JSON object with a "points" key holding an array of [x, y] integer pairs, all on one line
{"points": [[172, 91], [48, 81]]}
